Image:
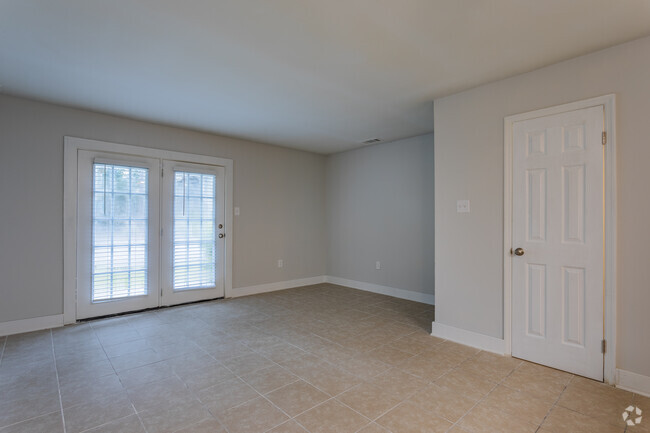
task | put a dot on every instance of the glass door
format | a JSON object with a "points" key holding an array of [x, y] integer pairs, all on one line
{"points": [[117, 238], [193, 236]]}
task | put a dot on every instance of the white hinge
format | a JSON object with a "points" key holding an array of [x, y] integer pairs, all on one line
{"points": [[604, 138], [161, 232], [603, 347], [161, 291], [162, 172]]}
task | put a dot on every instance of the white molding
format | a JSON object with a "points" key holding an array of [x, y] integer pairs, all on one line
{"points": [[425, 298], [634, 382], [70, 156], [272, 287], [609, 104], [468, 338], [29, 325]]}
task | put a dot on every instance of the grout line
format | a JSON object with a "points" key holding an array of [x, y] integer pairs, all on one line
{"points": [[2, 351], [485, 396], [58, 383]]}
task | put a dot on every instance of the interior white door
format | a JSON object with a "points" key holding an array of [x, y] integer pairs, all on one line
{"points": [[193, 239], [557, 281], [117, 233]]}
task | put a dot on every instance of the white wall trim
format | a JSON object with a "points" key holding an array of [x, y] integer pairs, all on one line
{"points": [[609, 104], [634, 382], [383, 290], [72, 145], [468, 338], [29, 325], [272, 287]]}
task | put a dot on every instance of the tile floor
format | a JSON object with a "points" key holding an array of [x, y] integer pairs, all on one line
{"points": [[318, 359]]}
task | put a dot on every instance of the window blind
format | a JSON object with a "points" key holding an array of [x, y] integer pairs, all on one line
{"points": [[120, 231], [194, 237]]}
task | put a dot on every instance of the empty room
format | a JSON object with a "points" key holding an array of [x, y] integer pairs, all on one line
{"points": [[324, 217]]}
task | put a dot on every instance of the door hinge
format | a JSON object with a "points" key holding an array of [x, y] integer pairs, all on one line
{"points": [[161, 292], [604, 138], [603, 347]]}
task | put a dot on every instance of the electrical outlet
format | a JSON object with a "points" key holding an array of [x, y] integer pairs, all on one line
{"points": [[462, 206], [280, 263], [377, 265]]}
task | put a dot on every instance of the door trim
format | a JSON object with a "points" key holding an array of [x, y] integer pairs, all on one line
{"points": [[609, 104], [70, 156]]}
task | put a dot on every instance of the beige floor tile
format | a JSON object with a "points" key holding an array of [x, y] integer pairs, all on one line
{"points": [[408, 418], [332, 417], [269, 379], [97, 412], [562, 420], [206, 377], [416, 343], [225, 395], [78, 392], [174, 418], [329, 379], [427, 367], [471, 385], [209, 425], [180, 367], [400, 384], [540, 386], [595, 400], [146, 374], [489, 365], [247, 363], [297, 397], [389, 355], [14, 411], [486, 419], [50, 423], [254, 416], [289, 427], [129, 424], [518, 404], [443, 402], [369, 400], [373, 428], [158, 395], [364, 366]]}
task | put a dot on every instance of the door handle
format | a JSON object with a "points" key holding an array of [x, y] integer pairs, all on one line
{"points": [[519, 251], [221, 235]]}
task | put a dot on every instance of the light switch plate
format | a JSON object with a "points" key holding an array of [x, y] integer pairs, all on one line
{"points": [[236, 211], [462, 206]]}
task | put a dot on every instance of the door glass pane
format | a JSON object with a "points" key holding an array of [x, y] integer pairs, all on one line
{"points": [[120, 231], [194, 237]]}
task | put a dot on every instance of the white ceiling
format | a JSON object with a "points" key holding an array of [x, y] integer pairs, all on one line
{"points": [[315, 75]]}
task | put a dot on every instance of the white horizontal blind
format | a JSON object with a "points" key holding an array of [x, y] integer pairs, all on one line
{"points": [[194, 237], [120, 231]]}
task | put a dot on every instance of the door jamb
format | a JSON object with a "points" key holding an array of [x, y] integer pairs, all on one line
{"points": [[609, 307], [71, 146]]}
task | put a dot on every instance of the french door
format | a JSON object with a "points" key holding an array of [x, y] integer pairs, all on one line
{"points": [[149, 233]]}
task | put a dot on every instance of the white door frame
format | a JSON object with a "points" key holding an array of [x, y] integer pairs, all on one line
{"points": [[70, 155], [608, 102]]}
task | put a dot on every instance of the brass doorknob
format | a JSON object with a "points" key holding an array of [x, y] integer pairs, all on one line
{"points": [[519, 252], [221, 235]]}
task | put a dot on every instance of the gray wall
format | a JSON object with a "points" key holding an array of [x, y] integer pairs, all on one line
{"points": [[281, 194], [469, 164], [380, 208]]}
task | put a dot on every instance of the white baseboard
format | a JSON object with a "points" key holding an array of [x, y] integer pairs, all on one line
{"points": [[272, 287], [383, 290], [634, 382], [29, 325], [468, 338]]}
